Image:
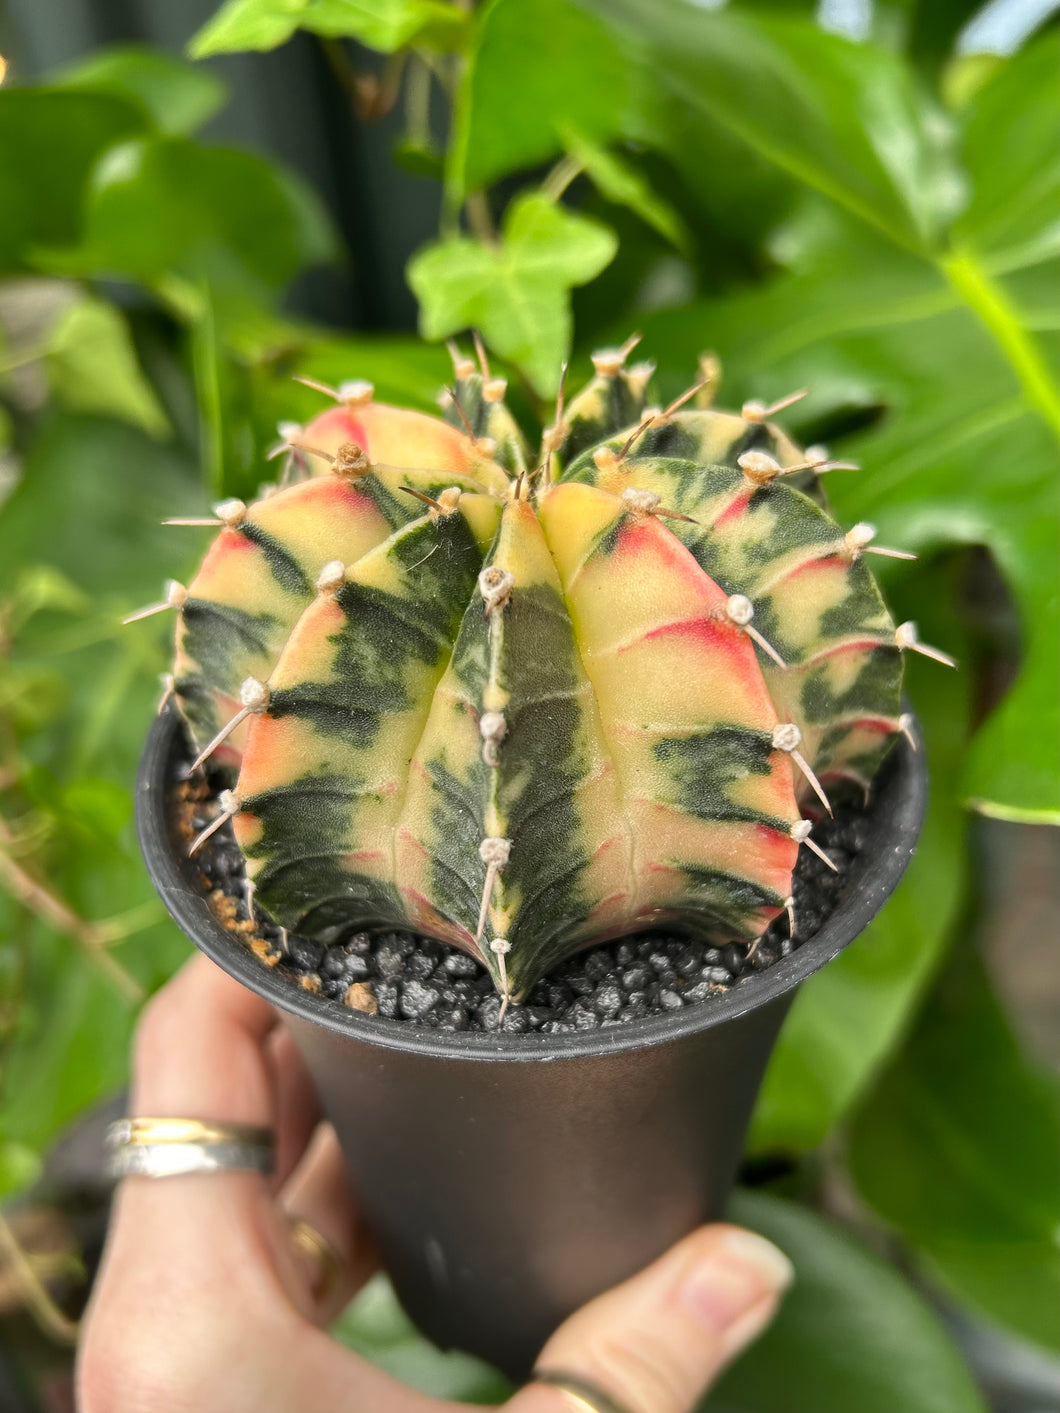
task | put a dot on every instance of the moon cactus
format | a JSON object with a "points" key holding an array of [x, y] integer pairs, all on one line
{"points": [[524, 704]]}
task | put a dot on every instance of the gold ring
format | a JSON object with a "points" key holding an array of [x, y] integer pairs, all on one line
{"points": [[171, 1147], [316, 1248], [130, 1132], [584, 1397]]}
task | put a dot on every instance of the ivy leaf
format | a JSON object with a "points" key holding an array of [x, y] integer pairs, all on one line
{"points": [[49, 143], [92, 367], [958, 1150], [177, 97], [619, 181], [851, 1332], [516, 293], [164, 206], [385, 25]]}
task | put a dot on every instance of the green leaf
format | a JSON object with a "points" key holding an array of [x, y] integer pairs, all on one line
{"points": [[934, 25], [962, 455], [847, 1020], [949, 466], [71, 1042], [376, 1327], [1010, 144], [536, 67], [516, 293], [954, 454], [164, 206], [49, 142], [19, 1167], [385, 25], [177, 97], [92, 367], [843, 119], [91, 502], [401, 369], [851, 1334], [542, 69], [958, 1150], [620, 182]]}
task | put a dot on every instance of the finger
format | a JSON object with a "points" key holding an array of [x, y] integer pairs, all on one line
{"points": [[318, 1194], [657, 1342], [190, 1274], [297, 1105], [199, 1053], [198, 1050]]}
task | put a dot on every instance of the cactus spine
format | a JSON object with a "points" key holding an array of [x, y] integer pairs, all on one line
{"points": [[527, 706]]}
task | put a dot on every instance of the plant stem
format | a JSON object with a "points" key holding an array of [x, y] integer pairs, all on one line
{"points": [[418, 102], [480, 218], [339, 64], [48, 906], [990, 303], [34, 1292], [566, 170], [370, 96], [207, 379]]}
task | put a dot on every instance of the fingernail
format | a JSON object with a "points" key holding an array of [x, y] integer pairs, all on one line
{"points": [[741, 1272]]}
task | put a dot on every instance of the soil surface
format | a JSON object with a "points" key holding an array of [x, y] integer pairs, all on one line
{"points": [[417, 980]]}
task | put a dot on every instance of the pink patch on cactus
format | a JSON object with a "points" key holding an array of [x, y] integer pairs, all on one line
{"points": [[735, 510], [393, 436]]}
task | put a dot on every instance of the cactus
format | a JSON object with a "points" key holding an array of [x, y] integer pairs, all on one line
{"points": [[523, 710]]}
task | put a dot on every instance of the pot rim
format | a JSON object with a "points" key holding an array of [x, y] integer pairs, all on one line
{"points": [[901, 786]]}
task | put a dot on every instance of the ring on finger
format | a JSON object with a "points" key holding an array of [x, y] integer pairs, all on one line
{"points": [[173, 1147], [582, 1395], [319, 1254]]}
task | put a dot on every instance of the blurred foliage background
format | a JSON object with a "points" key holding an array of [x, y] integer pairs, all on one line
{"points": [[857, 197]]}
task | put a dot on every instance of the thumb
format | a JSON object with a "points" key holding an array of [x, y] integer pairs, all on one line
{"points": [[655, 1343]]}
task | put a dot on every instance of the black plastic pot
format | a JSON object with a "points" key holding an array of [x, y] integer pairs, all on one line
{"points": [[508, 1178]]}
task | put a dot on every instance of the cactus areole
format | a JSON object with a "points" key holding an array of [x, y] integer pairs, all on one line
{"points": [[523, 704]]}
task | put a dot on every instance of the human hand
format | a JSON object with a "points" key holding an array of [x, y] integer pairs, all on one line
{"points": [[204, 1304]]}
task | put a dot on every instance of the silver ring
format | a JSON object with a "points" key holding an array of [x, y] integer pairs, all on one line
{"points": [[171, 1147], [158, 1160]]}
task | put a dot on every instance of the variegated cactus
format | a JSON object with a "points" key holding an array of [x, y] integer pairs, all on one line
{"points": [[524, 705]]}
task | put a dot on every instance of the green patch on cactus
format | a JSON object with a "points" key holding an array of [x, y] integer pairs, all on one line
{"points": [[704, 766], [520, 665], [476, 403], [815, 602], [318, 890], [348, 699], [613, 399]]}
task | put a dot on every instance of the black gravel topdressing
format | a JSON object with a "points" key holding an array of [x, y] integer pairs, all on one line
{"points": [[406, 977]]}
